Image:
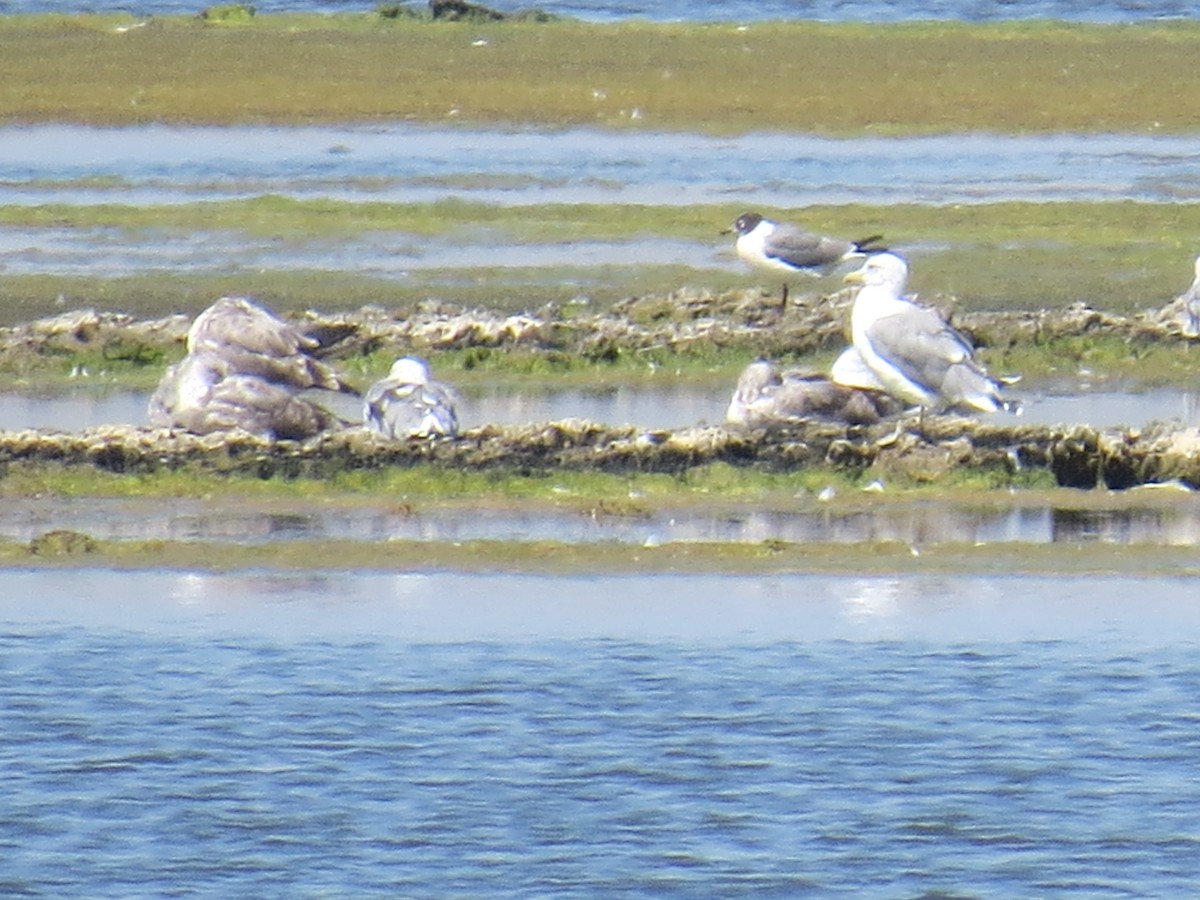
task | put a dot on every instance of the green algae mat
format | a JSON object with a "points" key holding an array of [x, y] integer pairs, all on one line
{"points": [[914, 78]]}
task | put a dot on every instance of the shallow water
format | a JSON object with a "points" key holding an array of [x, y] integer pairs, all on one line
{"points": [[155, 164], [442, 735], [664, 408], [410, 163], [918, 524]]}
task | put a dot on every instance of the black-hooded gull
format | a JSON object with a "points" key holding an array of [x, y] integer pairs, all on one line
{"points": [[777, 247]]}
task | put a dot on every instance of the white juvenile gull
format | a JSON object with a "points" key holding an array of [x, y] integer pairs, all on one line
{"points": [[912, 351], [410, 403], [778, 247], [767, 396]]}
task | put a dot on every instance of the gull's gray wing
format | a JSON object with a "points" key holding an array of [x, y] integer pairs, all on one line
{"points": [[920, 344], [932, 354], [803, 249], [402, 409]]}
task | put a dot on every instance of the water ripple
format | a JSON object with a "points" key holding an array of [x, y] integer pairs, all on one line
{"points": [[597, 767]]}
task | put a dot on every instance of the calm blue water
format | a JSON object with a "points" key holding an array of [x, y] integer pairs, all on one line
{"points": [[441, 735], [708, 10]]}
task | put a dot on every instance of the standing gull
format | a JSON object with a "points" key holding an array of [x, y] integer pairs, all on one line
{"points": [[913, 352], [409, 403], [851, 370], [776, 247]]}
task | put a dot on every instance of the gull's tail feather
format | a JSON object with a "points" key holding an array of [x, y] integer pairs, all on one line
{"points": [[870, 245], [967, 386]]}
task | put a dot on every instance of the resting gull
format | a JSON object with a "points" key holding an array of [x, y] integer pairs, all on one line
{"points": [[777, 247], [767, 396], [913, 352], [246, 368], [409, 403], [255, 341], [1189, 300], [203, 394]]}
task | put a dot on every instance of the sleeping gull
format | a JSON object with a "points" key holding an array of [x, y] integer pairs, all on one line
{"points": [[913, 352], [203, 394], [246, 368], [255, 341], [776, 247], [766, 396], [409, 403]]}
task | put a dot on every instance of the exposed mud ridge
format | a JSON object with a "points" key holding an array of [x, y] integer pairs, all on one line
{"points": [[688, 317], [914, 451]]}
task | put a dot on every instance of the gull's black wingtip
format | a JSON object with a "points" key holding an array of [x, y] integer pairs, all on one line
{"points": [[871, 244]]}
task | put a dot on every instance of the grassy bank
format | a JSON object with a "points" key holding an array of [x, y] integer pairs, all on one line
{"points": [[793, 76]]}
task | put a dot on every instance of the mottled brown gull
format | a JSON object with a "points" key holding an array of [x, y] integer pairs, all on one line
{"points": [[248, 369], [255, 341], [202, 394], [767, 396]]}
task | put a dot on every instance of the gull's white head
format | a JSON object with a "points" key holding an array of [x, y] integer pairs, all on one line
{"points": [[881, 269], [1197, 268], [756, 378], [410, 370]]}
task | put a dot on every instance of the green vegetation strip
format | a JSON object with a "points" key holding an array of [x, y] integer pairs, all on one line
{"points": [[792, 76], [70, 549]]}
